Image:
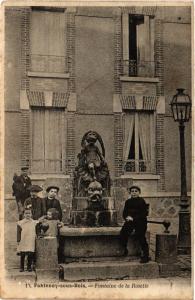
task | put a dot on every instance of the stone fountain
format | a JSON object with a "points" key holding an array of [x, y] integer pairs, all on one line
{"points": [[90, 244], [92, 205]]}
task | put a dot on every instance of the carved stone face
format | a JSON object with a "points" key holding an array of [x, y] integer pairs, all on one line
{"points": [[95, 191], [91, 137]]}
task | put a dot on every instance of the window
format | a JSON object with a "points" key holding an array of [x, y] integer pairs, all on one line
{"points": [[139, 146], [47, 140], [138, 45], [47, 41]]}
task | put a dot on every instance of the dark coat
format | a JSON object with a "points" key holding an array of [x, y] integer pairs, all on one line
{"points": [[38, 207], [20, 187], [53, 203], [135, 208]]}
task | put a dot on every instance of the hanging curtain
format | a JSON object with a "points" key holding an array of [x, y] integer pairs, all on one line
{"points": [[145, 137], [140, 42], [129, 126], [38, 140]]}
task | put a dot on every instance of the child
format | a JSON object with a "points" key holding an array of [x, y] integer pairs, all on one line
{"points": [[35, 203], [26, 234], [50, 224], [51, 200], [135, 215]]}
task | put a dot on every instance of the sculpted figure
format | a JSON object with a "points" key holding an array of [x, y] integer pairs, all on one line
{"points": [[91, 165]]}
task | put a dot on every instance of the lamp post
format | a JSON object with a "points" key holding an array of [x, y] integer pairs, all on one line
{"points": [[181, 110]]}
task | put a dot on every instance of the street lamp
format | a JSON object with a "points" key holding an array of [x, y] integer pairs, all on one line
{"points": [[181, 110]]}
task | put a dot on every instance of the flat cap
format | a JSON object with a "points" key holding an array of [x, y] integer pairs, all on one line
{"points": [[134, 187], [35, 188], [52, 187], [24, 168]]}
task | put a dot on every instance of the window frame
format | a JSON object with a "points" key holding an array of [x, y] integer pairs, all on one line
{"points": [[49, 62], [145, 68], [63, 145], [137, 159]]}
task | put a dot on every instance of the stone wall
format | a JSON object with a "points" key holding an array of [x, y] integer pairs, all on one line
{"points": [[94, 64]]}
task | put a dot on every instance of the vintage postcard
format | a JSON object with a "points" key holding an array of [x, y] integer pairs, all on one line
{"points": [[97, 150]]}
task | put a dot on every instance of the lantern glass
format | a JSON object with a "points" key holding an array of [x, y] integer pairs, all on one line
{"points": [[181, 106]]}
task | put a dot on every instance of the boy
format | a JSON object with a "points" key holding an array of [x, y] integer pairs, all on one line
{"points": [[49, 227], [26, 234], [20, 188], [35, 203], [50, 224], [135, 215], [51, 202]]}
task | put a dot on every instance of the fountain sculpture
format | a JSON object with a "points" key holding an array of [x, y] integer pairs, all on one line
{"points": [[92, 204]]}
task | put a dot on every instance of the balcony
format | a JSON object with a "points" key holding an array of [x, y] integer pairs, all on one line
{"points": [[47, 63], [132, 68], [139, 166]]}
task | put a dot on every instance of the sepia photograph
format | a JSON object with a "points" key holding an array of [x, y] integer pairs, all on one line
{"points": [[97, 193]]}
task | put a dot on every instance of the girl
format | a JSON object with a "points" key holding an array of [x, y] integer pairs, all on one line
{"points": [[26, 234]]}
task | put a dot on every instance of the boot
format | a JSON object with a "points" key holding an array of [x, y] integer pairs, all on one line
{"points": [[125, 252], [145, 259], [22, 257], [29, 263]]}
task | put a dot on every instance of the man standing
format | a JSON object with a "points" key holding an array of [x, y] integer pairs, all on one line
{"points": [[135, 215], [20, 189], [35, 203], [51, 202]]}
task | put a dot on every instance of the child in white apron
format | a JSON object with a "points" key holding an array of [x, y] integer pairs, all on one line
{"points": [[26, 234]]}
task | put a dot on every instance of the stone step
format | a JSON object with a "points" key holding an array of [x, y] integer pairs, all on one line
{"points": [[17, 276], [110, 270], [100, 259]]}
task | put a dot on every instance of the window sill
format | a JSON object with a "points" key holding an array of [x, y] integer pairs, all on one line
{"points": [[139, 79], [40, 176], [48, 75], [141, 176]]}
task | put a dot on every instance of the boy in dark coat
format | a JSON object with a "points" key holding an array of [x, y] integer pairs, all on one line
{"points": [[35, 203], [51, 202], [135, 215], [20, 189]]}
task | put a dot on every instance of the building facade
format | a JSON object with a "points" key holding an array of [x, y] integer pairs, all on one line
{"points": [[113, 70]]}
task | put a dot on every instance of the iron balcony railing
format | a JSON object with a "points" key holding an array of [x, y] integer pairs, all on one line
{"points": [[47, 63], [141, 68], [139, 166]]}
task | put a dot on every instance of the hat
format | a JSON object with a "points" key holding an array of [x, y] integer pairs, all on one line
{"points": [[24, 168], [52, 187], [134, 187], [35, 188]]}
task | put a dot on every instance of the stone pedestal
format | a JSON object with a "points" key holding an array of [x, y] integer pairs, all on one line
{"points": [[166, 248], [92, 214], [92, 218], [46, 253], [166, 254]]}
